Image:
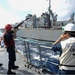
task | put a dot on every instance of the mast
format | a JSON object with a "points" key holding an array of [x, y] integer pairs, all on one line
{"points": [[49, 21]]}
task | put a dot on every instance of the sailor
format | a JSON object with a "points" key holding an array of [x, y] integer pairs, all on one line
{"points": [[9, 36], [66, 45]]}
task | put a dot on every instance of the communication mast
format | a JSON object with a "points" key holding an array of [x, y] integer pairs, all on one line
{"points": [[49, 21]]}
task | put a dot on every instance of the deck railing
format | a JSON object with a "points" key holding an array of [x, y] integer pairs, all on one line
{"points": [[36, 53]]}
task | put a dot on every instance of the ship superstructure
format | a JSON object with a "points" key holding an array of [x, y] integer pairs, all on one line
{"points": [[45, 27]]}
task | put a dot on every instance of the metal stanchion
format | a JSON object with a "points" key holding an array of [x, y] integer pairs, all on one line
{"points": [[39, 48], [29, 56], [26, 52]]}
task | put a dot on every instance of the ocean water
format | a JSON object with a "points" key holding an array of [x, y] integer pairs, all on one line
{"points": [[38, 53], [1, 34]]}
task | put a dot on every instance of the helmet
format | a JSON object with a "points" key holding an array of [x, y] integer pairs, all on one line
{"points": [[69, 27], [8, 27]]}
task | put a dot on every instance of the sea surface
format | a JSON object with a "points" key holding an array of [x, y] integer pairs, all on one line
{"points": [[38, 53]]}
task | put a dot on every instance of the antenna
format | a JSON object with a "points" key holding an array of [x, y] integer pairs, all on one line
{"points": [[49, 9], [49, 3]]}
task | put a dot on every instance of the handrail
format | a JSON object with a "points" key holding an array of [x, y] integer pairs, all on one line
{"points": [[45, 46], [41, 48]]}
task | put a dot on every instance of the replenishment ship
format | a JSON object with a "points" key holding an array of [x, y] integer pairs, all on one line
{"points": [[46, 27]]}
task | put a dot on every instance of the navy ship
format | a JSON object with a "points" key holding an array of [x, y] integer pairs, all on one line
{"points": [[46, 27]]}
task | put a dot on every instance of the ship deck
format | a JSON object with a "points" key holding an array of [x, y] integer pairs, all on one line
{"points": [[22, 70]]}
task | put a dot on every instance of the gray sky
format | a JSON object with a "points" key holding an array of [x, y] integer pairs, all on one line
{"points": [[64, 8]]}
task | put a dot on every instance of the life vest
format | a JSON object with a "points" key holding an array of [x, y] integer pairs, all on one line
{"points": [[8, 39], [67, 58]]}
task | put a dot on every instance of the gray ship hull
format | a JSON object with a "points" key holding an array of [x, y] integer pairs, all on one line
{"points": [[40, 34]]}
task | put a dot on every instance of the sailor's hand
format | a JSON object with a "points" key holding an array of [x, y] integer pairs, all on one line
{"points": [[15, 30], [62, 37]]}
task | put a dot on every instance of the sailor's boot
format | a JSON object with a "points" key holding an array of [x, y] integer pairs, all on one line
{"points": [[1, 64], [14, 66], [9, 70]]}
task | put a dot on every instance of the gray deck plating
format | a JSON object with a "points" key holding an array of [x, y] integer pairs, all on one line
{"points": [[19, 61]]}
